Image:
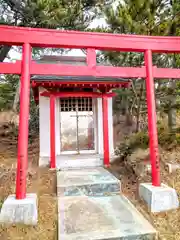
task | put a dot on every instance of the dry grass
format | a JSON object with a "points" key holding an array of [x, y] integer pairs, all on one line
{"points": [[167, 223], [40, 181], [43, 182]]}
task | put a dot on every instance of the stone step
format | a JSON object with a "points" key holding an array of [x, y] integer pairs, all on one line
{"points": [[87, 181], [66, 162], [101, 218]]}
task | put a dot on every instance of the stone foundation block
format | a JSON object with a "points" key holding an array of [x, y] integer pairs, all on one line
{"points": [[22, 211], [159, 199]]}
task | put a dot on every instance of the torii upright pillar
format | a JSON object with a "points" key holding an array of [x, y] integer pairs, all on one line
{"points": [[22, 207], [155, 194], [22, 159], [152, 120]]}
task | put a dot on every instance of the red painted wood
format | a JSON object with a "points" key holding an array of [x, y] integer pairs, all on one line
{"points": [[76, 94], [97, 85], [153, 136], [74, 39], [105, 131], [166, 73], [10, 68], [91, 58], [52, 133], [102, 71], [22, 159], [97, 71]]}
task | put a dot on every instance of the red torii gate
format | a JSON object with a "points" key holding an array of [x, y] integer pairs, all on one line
{"points": [[29, 37]]}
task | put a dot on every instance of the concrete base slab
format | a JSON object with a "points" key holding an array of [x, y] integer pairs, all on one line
{"points": [[100, 218], [159, 199], [44, 161], [78, 161], [20, 211], [87, 181]]}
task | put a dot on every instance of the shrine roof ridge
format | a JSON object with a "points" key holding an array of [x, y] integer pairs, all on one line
{"points": [[77, 78]]}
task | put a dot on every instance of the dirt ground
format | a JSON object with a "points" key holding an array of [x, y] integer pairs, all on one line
{"points": [[43, 182], [40, 181]]}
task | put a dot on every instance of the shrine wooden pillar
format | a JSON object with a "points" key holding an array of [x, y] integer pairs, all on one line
{"points": [[52, 133], [105, 130]]}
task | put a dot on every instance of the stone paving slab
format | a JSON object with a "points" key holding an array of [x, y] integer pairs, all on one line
{"points": [[88, 181], [100, 218]]}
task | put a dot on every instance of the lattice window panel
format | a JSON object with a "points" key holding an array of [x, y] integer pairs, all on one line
{"points": [[76, 104]]}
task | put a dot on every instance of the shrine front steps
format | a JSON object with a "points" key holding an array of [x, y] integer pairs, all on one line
{"points": [[91, 207], [88, 182]]}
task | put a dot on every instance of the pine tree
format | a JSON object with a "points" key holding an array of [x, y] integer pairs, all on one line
{"points": [[145, 17], [55, 14]]}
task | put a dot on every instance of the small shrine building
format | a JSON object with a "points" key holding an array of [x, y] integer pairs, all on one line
{"points": [[82, 119]]}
